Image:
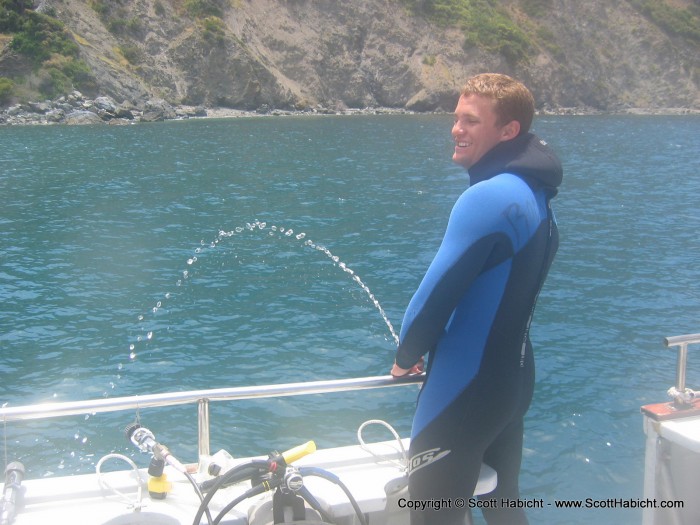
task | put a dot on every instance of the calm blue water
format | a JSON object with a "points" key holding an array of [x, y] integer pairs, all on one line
{"points": [[115, 280]]}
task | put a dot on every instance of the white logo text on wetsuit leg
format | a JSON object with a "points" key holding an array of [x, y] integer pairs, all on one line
{"points": [[423, 459]]}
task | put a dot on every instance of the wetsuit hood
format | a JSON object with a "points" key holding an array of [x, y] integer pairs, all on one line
{"points": [[527, 156]]}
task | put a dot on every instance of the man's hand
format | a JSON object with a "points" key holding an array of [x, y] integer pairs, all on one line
{"points": [[397, 371]]}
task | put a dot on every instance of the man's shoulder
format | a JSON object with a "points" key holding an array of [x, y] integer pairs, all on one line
{"points": [[485, 202], [503, 186]]}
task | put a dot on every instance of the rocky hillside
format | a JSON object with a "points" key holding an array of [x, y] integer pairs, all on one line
{"points": [[412, 54]]}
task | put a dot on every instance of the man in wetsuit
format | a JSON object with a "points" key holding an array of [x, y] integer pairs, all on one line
{"points": [[472, 311]]}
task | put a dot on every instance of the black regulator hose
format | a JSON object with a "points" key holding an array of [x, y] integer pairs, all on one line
{"points": [[254, 491], [321, 473], [199, 494], [265, 486], [255, 468], [311, 500], [237, 473]]}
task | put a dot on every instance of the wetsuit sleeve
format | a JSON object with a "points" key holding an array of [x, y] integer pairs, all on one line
{"points": [[474, 234]]}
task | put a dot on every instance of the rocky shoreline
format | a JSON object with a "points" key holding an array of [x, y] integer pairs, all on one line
{"points": [[76, 109]]}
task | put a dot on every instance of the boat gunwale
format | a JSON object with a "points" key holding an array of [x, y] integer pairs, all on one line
{"points": [[115, 404]]}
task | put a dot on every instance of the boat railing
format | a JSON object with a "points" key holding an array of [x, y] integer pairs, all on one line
{"points": [[202, 398], [679, 392]]}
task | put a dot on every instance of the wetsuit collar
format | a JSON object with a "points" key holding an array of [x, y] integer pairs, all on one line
{"points": [[526, 156]]}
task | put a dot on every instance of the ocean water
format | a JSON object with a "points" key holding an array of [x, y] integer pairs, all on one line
{"points": [[212, 253]]}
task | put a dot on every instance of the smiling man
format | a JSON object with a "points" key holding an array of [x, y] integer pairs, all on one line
{"points": [[473, 309]]}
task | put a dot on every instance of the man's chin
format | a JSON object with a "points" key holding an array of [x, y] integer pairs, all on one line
{"points": [[462, 161]]}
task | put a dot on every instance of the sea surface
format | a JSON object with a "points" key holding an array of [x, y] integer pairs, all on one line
{"points": [[214, 253]]}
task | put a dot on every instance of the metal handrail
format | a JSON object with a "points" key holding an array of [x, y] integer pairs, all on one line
{"points": [[680, 393], [201, 397]]}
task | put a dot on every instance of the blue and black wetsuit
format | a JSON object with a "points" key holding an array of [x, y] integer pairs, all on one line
{"points": [[472, 314]]}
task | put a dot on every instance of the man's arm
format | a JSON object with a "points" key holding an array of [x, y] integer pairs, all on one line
{"points": [[472, 234]]}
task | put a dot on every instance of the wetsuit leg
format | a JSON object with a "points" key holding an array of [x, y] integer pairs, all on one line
{"points": [[484, 423], [446, 456], [442, 472], [504, 455]]}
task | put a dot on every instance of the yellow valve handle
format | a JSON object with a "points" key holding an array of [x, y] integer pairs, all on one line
{"points": [[299, 452]]}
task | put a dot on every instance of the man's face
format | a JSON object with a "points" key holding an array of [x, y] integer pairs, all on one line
{"points": [[476, 131]]}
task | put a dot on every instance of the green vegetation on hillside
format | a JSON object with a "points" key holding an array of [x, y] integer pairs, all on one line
{"points": [[35, 35], [488, 25], [47, 45], [213, 30], [684, 23], [7, 87], [116, 19], [206, 8], [483, 22]]}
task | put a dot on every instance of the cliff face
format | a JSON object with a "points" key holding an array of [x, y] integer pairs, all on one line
{"points": [[293, 54]]}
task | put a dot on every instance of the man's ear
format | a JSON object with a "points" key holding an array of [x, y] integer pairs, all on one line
{"points": [[510, 130]]}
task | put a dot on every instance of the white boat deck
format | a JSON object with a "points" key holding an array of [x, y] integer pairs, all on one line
{"points": [[81, 499]]}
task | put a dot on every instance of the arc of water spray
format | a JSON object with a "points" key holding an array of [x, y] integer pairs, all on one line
{"points": [[287, 232], [332, 257]]}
